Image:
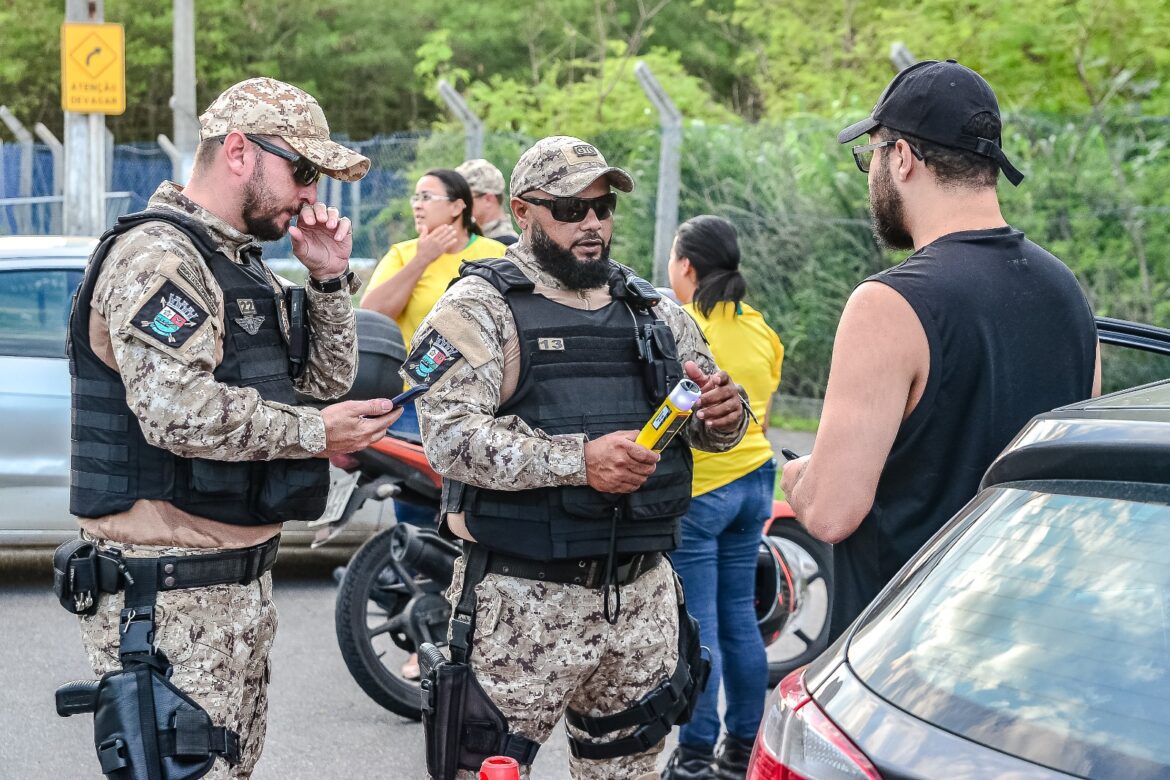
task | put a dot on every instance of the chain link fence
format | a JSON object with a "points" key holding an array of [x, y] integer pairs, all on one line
{"points": [[1095, 195]]}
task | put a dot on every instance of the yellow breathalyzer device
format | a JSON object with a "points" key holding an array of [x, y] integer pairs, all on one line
{"points": [[669, 418]]}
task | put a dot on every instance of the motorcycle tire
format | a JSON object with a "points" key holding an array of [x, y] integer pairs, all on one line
{"points": [[806, 634], [367, 594]]}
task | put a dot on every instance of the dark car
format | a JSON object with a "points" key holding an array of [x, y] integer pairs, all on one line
{"points": [[1031, 637]]}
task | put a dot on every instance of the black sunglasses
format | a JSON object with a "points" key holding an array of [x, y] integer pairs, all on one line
{"points": [[863, 155], [304, 172], [576, 209]]}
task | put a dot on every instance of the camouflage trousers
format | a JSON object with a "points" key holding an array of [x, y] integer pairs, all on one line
{"points": [[540, 647], [218, 638]]}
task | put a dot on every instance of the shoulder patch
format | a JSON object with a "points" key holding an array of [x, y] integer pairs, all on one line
{"points": [[169, 316], [430, 359]]}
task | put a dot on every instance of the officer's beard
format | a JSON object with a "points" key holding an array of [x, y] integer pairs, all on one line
{"points": [[261, 218], [887, 212], [563, 265]]}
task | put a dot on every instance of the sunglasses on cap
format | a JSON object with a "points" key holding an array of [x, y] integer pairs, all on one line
{"points": [[304, 172], [576, 209]]}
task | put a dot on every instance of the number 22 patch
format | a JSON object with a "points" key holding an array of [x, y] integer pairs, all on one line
{"points": [[169, 316]]}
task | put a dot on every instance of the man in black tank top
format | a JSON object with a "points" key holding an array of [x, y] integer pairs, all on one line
{"points": [[940, 361]]}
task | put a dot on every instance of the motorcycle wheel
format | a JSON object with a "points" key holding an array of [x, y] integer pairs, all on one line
{"points": [[371, 620], [806, 633]]}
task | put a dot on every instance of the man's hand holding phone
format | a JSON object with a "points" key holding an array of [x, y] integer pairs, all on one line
{"points": [[355, 425]]}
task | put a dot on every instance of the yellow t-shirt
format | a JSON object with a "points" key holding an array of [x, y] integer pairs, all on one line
{"points": [[434, 279], [746, 348]]}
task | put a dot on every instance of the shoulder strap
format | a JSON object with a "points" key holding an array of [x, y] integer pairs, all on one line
{"points": [[463, 616], [503, 274]]}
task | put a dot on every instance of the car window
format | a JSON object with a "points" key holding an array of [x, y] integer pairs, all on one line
{"points": [[34, 311], [1123, 367], [1042, 629]]}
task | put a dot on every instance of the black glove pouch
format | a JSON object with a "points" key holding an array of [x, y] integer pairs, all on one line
{"points": [[147, 729]]}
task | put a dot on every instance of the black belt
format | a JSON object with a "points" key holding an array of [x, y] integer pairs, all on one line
{"points": [[104, 571], [586, 572]]}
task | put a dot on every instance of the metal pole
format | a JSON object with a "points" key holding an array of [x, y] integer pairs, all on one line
{"points": [[57, 152], [901, 56], [173, 154], [84, 209], [472, 125], [186, 123], [669, 176], [24, 189]]}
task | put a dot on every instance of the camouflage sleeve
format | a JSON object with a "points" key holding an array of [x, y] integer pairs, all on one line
{"points": [[333, 349], [168, 377], [693, 346], [463, 437]]}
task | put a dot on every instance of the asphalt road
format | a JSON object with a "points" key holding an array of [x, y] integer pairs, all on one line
{"points": [[321, 725]]}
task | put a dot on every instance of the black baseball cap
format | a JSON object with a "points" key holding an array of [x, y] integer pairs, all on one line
{"points": [[935, 101]]}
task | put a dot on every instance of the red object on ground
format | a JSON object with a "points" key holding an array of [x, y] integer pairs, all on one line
{"points": [[499, 768]]}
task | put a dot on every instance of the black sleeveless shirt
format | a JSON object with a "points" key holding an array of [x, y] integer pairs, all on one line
{"points": [[1011, 335]]}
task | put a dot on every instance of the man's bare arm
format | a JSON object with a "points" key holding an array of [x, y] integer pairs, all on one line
{"points": [[880, 364]]}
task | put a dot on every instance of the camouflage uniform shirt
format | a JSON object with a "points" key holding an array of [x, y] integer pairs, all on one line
{"points": [[179, 404], [464, 438], [499, 227]]}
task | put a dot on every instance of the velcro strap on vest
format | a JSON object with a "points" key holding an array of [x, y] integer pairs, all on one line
{"points": [[192, 735]]}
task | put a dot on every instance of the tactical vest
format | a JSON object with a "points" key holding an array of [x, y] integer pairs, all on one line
{"points": [[112, 465], [591, 372]]}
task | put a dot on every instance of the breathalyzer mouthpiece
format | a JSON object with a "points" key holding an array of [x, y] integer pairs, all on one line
{"points": [[684, 395]]}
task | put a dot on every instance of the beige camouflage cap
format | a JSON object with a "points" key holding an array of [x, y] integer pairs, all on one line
{"points": [[266, 106], [562, 166], [482, 176]]}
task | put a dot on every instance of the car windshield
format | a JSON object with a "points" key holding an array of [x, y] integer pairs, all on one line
{"points": [[1041, 629], [34, 311]]}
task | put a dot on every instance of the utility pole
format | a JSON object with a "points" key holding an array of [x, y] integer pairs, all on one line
{"points": [[186, 123], [84, 212]]}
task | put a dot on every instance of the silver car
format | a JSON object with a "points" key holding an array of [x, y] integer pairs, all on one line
{"points": [[38, 276]]}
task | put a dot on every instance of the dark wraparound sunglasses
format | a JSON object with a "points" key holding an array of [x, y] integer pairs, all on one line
{"points": [[863, 155], [576, 209], [304, 172]]}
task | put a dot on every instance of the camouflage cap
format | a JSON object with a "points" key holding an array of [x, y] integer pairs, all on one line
{"points": [[563, 166], [482, 176], [266, 106]]}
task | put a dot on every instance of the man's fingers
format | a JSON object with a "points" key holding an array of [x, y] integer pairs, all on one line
{"points": [[343, 228], [375, 408], [694, 373]]}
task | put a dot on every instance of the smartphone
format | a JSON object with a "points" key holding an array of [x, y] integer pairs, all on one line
{"points": [[408, 396], [789, 454]]}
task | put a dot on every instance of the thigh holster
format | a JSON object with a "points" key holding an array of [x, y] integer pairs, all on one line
{"points": [[652, 717], [144, 727], [462, 725]]}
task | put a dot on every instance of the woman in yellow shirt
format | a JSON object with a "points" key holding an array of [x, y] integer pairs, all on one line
{"points": [[414, 273], [731, 498]]}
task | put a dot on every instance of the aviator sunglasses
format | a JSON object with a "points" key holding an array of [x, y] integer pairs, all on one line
{"points": [[576, 209], [304, 172]]}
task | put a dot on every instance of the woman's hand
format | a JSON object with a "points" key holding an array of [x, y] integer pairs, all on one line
{"points": [[432, 244]]}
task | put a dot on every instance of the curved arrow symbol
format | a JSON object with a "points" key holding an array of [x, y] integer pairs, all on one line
{"points": [[88, 57]]}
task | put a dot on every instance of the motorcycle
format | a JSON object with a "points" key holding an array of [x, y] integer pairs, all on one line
{"points": [[390, 596]]}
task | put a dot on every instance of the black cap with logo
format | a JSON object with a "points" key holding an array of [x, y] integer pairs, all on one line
{"points": [[935, 101]]}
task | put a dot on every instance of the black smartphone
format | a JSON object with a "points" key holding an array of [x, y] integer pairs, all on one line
{"points": [[407, 396], [789, 454]]}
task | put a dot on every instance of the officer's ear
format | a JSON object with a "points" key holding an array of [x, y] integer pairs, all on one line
{"points": [[520, 212], [235, 155]]}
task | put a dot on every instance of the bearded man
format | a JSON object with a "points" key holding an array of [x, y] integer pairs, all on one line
{"points": [[191, 445], [941, 360], [542, 367]]}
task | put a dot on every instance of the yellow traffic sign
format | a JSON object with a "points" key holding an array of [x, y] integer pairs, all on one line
{"points": [[93, 68]]}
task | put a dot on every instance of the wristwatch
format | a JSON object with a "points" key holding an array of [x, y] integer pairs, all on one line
{"points": [[333, 285]]}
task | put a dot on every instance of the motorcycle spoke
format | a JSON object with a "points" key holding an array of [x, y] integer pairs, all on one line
{"points": [[394, 625]]}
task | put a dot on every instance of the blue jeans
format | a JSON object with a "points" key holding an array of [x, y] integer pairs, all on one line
{"points": [[404, 511], [717, 564]]}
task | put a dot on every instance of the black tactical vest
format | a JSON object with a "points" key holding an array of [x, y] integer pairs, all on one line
{"points": [[112, 464], [592, 372]]}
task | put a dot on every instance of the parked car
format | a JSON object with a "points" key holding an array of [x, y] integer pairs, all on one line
{"points": [[1030, 638], [38, 275]]}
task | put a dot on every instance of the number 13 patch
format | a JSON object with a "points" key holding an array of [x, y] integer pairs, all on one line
{"points": [[169, 316]]}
